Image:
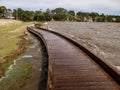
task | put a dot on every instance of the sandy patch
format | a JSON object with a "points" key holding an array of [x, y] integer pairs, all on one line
{"points": [[8, 21]]}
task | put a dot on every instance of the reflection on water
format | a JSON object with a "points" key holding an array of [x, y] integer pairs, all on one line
{"points": [[102, 38]]}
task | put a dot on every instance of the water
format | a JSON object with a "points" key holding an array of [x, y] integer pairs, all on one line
{"points": [[102, 38]]}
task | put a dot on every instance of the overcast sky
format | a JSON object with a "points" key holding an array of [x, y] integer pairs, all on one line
{"points": [[100, 6]]}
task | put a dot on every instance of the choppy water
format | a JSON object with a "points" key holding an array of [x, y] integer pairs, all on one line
{"points": [[102, 38]]}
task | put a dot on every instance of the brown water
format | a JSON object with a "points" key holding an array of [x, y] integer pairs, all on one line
{"points": [[102, 38]]}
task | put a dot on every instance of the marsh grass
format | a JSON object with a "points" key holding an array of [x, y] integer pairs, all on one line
{"points": [[17, 77]]}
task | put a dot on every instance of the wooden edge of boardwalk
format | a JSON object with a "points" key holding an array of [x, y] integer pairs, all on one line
{"points": [[106, 66]]}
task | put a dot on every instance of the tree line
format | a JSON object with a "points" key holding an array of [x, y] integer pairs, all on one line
{"points": [[57, 14]]}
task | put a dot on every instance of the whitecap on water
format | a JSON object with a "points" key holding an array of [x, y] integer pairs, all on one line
{"points": [[27, 56], [33, 46], [72, 36], [98, 32], [102, 53], [118, 67], [77, 38]]}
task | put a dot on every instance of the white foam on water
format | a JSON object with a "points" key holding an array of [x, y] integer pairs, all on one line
{"points": [[51, 29], [77, 38], [102, 53], [33, 46], [72, 36], [98, 32], [38, 50], [27, 56], [7, 72], [118, 67]]}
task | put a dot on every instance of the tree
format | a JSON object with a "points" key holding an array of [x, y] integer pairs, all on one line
{"points": [[72, 18], [109, 18], [39, 16], [3, 11], [81, 16], [93, 15], [100, 18], [118, 19], [59, 10], [60, 17], [27, 16], [71, 15], [48, 15], [17, 13], [60, 14], [71, 12], [22, 15]]}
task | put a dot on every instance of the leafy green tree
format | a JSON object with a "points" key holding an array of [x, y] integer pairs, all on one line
{"points": [[100, 18], [59, 10], [118, 19], [17, 13], [93, 15], [109, 18], [48, 15], [27, 16], [60, 17], [71, 15], [36, 15], [3, 11], [114, 18], [79, 18], [72, 18], [82, 15], [39, 16], [60, 14], [20, 14], [71, 12]]}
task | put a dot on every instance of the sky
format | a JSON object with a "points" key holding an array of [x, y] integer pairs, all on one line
{"points": [[110, 7]]}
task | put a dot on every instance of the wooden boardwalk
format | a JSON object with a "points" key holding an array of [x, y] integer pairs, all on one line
{"points": [[70, 68]]}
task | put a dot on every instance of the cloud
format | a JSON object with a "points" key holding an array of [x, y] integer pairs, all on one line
{"points": [[79, 5]]}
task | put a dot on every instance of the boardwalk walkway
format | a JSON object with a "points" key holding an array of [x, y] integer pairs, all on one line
{"points": [[71, 69]]}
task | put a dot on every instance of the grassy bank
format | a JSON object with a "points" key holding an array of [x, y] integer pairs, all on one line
{"points": [[12, 42]]}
